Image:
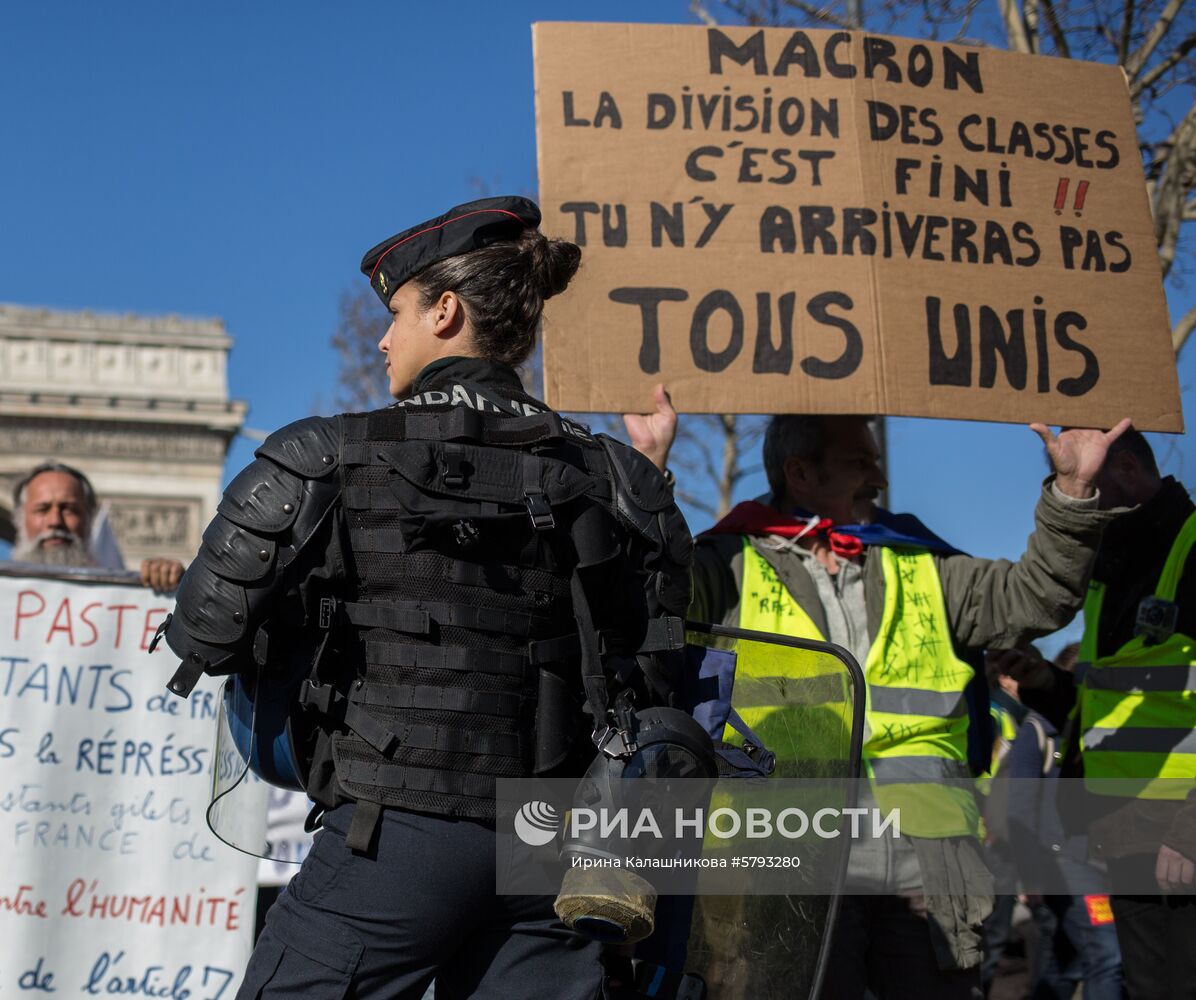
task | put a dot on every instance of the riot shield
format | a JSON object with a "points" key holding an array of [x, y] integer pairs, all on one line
{"points": [[240, 797], [802, 703]]}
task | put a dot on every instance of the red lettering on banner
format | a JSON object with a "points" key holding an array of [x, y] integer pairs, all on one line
{"points": [[22, 905], [83, 617], [89, 901], [120, 610], [63, 612], [27, 614]]}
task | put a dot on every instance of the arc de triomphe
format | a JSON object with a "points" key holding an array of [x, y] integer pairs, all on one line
{"points": [[138, 403]]}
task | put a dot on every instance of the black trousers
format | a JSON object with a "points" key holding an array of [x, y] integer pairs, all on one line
{"points": [[423, 908], [1157, 935]]}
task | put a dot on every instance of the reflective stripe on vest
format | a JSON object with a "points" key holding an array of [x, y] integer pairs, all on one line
{"points": [[1138, 706], [1005, 728], [916, 716]]}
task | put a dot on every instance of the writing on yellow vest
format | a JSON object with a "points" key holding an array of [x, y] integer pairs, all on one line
{"points": [[916, 717], [1138, 705]]}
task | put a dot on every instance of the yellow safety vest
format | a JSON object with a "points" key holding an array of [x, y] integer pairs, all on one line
{"points": [[1005, 728], [1138, 706], [916, 713]]}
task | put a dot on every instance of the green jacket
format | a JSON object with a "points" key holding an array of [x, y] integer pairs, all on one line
{"points": [[990, 602]]}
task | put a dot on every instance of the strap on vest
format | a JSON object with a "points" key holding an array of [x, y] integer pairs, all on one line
{"points": [[592, 679], [326, 700], [189, 671], [430, 698], [363, 826], [396, 654], [458, 424], [418, 618], [417, 779], [545, 651], [538, 507], [329, 702], [663, 635]]}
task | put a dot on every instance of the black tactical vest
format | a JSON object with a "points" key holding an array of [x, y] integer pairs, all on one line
{"points": [[468, 510]]}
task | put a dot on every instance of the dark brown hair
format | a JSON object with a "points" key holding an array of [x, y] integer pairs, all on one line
{"points": [[503, 288]]}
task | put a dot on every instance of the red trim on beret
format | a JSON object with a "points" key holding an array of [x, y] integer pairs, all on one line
{"points": [[456, 218]]}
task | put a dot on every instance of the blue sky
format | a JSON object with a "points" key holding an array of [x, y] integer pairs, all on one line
{"points": [[236, 160]]}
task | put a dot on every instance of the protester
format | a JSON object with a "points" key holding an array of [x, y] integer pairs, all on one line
{"points": [[1077, 940], [54, 507], [462, 549], [1007, 713], [816, 558], [1133, 707]]}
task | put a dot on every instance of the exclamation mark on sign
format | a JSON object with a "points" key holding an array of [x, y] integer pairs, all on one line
{"points": [[1061, 195], [1081, 191]]}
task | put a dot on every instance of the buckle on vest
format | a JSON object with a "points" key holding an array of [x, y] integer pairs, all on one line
{"points": [[318, 697], [539, 510], [327, 612], [456, 469]]}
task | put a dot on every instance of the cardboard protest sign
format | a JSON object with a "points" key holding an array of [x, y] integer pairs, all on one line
{"points": [[813, 221], [111, 881]]}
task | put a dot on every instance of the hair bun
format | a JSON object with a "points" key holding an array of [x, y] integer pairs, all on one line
{"points": [[554, 262]]}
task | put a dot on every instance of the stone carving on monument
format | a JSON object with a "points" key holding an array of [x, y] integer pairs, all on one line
{"points": [[138, 403]]}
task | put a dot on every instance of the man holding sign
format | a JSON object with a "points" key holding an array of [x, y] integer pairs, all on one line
{"points": [[816, 559]]}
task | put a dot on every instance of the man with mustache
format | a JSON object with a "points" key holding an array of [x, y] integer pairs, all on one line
{"points": [[816, 559], [54, 507]]}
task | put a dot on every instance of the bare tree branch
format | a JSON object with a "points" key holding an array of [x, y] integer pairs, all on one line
{"points": [[1174, 187], [821, 15], [1056, 29], [698, 9], [1127, 26], [1138, 59], [1015, 27], [1148, 80], [1183, 329]]}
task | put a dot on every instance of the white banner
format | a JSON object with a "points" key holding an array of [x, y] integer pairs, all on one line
{"points": [[110, 881]]}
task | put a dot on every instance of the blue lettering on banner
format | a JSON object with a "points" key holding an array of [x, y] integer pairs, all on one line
{"points": [[26, 800], [203, 705], [163, 703], [7, 749], [110, 756], [36, 979], [189, 850], [110, 974], [73, 836], [96, 685], [44, 754], [176, 811]]}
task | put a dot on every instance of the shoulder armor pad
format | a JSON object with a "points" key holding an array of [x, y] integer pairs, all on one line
{"points": [[263, 498], [309, 447], [234, 553], [640, 491]]}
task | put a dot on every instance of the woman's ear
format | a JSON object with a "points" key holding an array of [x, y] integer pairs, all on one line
{"points": [[448, 315]]}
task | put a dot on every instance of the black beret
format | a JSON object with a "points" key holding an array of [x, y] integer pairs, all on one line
{"points": [[471, 226]]}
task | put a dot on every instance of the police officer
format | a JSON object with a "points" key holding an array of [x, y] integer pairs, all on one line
{"points": [[472, 571]]}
